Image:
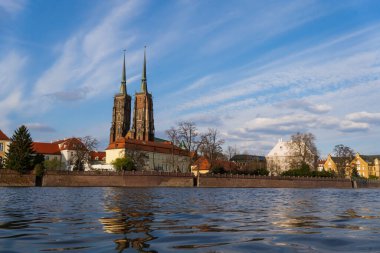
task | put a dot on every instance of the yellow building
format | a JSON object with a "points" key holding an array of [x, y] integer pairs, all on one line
{"points": [[367, 165], [4, 144], [335, 163]]}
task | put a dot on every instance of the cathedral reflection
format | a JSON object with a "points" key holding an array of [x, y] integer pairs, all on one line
{"points": [[129, 219]]}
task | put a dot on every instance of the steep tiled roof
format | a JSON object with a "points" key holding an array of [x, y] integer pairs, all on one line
{"points": [[68, 144], [370, 158], [3, 137], [341, 160], [46, 148]]}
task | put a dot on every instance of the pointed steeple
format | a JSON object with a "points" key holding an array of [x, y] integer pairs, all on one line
{"points": [[143, 79], [123, 85]]}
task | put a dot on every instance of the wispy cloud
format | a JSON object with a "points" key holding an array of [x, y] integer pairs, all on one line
{"points": [[73, 95], [39, 127], [302, 104], [88, 58], [11, 6]]}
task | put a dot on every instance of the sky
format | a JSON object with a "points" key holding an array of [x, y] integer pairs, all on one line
{"points": [[257, 71]]}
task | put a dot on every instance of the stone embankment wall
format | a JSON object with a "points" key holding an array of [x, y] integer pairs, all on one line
{"points": [[13, 178], [366, 184], [157, 179], [240, 181], [114, 179]]}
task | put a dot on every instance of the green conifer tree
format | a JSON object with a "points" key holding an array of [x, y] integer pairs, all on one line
{"points": [[20, 153]]}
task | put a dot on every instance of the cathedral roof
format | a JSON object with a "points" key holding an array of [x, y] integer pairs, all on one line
{"points": [[147, 146]]}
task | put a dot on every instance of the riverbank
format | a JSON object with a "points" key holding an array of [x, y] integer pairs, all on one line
{"points": [[9, 178]]}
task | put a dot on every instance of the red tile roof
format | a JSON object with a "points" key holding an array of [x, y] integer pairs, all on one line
{"points": [[204, 163], [148, 146], [46, 148], [68, 144], [99, 154], [3, 137]]}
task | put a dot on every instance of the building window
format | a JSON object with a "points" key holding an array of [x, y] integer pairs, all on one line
{"points": [[1, 147]]}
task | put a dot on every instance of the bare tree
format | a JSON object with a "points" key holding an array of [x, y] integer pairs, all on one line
{"points": [[230, 152], [303, 150], [211, 144], [81, 151], [173, 133], [188, 135], [344, 155]]}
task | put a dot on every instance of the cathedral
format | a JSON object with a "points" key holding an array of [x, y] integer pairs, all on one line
{"points": [[139, 135], [142, 122]]}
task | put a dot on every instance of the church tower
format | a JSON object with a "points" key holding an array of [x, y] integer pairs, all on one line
{"points": [[143, 122], [121, 113]]}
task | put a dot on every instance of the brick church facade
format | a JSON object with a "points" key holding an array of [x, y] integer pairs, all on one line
{"points": [[138, 134]]}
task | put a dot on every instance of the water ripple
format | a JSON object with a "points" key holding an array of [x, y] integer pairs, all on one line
{"points": [[189, 220]]}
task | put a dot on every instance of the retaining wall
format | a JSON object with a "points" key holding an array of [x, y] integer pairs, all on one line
{"points": [[240, 181], [112, 179], [366, 184], [13, 178]]}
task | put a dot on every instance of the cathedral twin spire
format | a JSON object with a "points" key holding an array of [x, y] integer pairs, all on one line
{"points": [[123, 85], [143, 78], [142, 120]]}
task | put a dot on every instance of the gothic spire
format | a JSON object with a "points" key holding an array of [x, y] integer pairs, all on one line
{"points": [[123, 85], [143, 79]]}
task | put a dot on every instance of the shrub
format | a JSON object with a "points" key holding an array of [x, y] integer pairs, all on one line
{"points": [[39, 170], [218, 170], [124, 164]]}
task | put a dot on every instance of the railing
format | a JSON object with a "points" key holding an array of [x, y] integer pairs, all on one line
{"points": [[122, 173], [242, 176]]}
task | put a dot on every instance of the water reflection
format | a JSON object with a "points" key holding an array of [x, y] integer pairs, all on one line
{"points": [[129, 220]]}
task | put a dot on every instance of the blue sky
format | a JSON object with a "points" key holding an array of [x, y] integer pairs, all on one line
{"points": [[256, 70]]}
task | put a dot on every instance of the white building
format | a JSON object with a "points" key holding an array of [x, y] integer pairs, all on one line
{"points": [[282, 156], [279, 158], [63, 151]]}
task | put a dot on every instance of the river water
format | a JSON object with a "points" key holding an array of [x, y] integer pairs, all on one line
{"points": [[188, 220]]}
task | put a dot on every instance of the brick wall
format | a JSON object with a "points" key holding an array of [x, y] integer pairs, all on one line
{"points": [[13, 178], [113, 179]]}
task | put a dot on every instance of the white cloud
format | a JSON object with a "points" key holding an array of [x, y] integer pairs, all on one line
{"points": [[364, 116]]}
